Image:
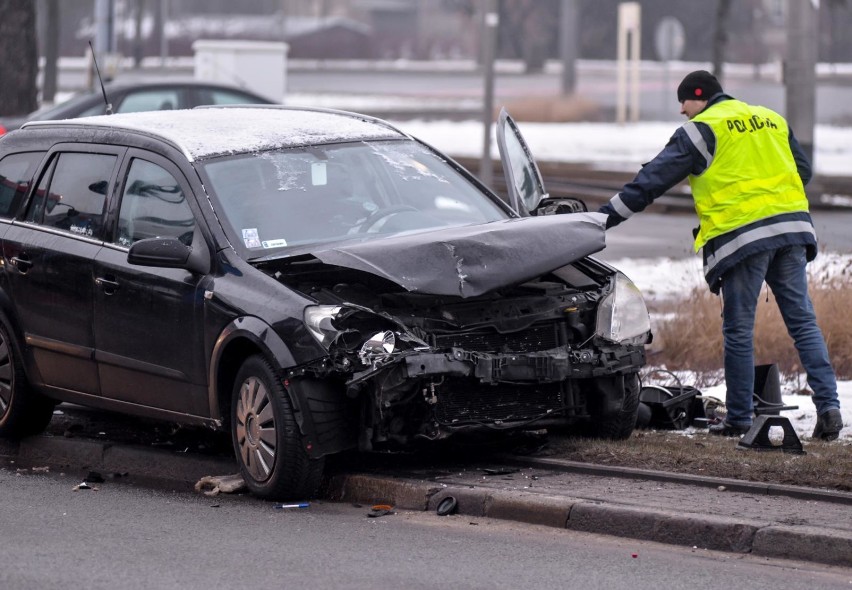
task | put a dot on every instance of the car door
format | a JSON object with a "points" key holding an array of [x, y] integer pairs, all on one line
{"points": [[523, 179], [49, 254], [148, 322]]}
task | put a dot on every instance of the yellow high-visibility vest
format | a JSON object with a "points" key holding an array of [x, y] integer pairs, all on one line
{"points": [[752, 174]]}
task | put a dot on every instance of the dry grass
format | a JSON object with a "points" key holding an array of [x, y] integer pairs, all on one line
{"points": [[825, 465], [692, 338], [553, 110]]}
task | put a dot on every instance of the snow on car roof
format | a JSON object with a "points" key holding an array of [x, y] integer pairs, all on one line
{"points": [[202, 133]]}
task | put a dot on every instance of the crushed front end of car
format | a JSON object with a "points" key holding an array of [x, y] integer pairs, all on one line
{"points": [[560, 349]]}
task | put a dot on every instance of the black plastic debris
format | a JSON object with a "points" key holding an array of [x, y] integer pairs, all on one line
{"points": [[95, 477], [758, 438], [447, 506], [671, 408], [767, 391]]}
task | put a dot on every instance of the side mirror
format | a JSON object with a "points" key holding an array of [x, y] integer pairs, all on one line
{"points": [[561, 205], [167, 253]]}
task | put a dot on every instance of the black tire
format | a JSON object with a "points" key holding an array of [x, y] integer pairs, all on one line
{"points": [[619, 425], [23, 412], [267, 442]]}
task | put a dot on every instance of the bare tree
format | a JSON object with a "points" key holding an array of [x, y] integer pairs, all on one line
{"points": [[720, 38], [19, 64]]}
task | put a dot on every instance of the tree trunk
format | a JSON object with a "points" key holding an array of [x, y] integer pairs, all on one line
{"points": [[720, 39], [19, 64]]}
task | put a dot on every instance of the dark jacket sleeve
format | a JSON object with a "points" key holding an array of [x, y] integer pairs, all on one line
{"points": [[678, 159], [802, 163]]}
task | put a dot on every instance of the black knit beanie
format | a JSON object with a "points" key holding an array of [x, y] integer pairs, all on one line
{"points": [[698, 85]]}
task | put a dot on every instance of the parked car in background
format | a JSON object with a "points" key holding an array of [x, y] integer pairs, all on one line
{"points": [[140, 96], [310, 280]]}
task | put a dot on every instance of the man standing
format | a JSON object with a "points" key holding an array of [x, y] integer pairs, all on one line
{"points": [[747, 173]]}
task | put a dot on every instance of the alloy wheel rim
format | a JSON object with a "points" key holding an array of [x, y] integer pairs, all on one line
{"points": [[257, 439]]}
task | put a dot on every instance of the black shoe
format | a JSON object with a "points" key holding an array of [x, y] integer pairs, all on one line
{"points": [[725, 429], [828, 426]]}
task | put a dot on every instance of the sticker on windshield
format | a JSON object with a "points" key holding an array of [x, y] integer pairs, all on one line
{"points": [[274, 243], [251, 238]]}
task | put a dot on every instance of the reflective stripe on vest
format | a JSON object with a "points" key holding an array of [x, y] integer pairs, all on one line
{"points": [[752, 174]]}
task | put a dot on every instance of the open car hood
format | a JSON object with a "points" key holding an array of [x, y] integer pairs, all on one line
{"points": [[468, 261]]}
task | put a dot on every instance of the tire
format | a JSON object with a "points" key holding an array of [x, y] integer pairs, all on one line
{"points": [[23, 412], [619, 425], [273, 460]]}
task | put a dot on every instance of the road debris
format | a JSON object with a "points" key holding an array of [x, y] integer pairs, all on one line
{"points": [[296, 505], [211, 485], [380, 510], [447, 506]]}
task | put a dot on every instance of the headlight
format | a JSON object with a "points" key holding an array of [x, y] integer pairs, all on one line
{"points": [[319, 321], [622, 315]]}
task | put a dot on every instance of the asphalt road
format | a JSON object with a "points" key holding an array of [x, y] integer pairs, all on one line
{"points": [[669, 235], [128, 537]]}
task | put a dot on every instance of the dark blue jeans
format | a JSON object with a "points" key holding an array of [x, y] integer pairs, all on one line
{"points": [[784, 271]]}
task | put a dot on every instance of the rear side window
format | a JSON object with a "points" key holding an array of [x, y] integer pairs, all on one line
{"points": [[16, 175], [153, 205], [72, 198]]}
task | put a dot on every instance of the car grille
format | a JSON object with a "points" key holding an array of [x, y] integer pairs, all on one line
{"points": [[462, 402], [541, 337]]}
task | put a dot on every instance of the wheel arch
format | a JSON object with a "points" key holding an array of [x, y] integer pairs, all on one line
{"points": [[10, 320], [239, 340]]}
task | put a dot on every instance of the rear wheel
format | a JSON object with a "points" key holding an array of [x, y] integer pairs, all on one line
{"points": [[22, 411], [267, 441], [618, 423]]}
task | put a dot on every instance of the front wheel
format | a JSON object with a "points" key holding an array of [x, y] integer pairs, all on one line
{"points": [[269, 448], [22, 411], [614, 417]]}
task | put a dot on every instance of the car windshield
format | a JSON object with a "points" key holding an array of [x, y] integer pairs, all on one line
{"points": [[299, 196]]}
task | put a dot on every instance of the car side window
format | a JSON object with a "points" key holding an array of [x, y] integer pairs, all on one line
{"points": [[153, 205], [163, 99], [217, 96], [16, 175], [73, 197]]}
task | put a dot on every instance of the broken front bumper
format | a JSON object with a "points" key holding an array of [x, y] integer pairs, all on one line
{"points": [[552, 365]]}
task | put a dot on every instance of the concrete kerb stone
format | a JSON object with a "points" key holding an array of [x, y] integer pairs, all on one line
{"points": [[82, 455], [374, 490], [810, 543], [705, 532], [62, 453]]}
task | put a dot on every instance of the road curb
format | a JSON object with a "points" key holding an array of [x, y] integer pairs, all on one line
{"points": [[89, 455], [647, 524]]}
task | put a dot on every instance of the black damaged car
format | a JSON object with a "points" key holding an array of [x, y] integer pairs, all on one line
{"points": [[310, 280]]}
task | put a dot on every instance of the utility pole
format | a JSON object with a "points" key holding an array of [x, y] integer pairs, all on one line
{"points": [[568, 26], [800, 70], [490, 22]]}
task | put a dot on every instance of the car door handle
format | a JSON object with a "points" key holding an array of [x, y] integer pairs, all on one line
{"points": [[107, 284], [22, 264]]}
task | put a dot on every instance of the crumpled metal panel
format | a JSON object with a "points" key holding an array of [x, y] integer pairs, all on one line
{"points": [[472, 260]]}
